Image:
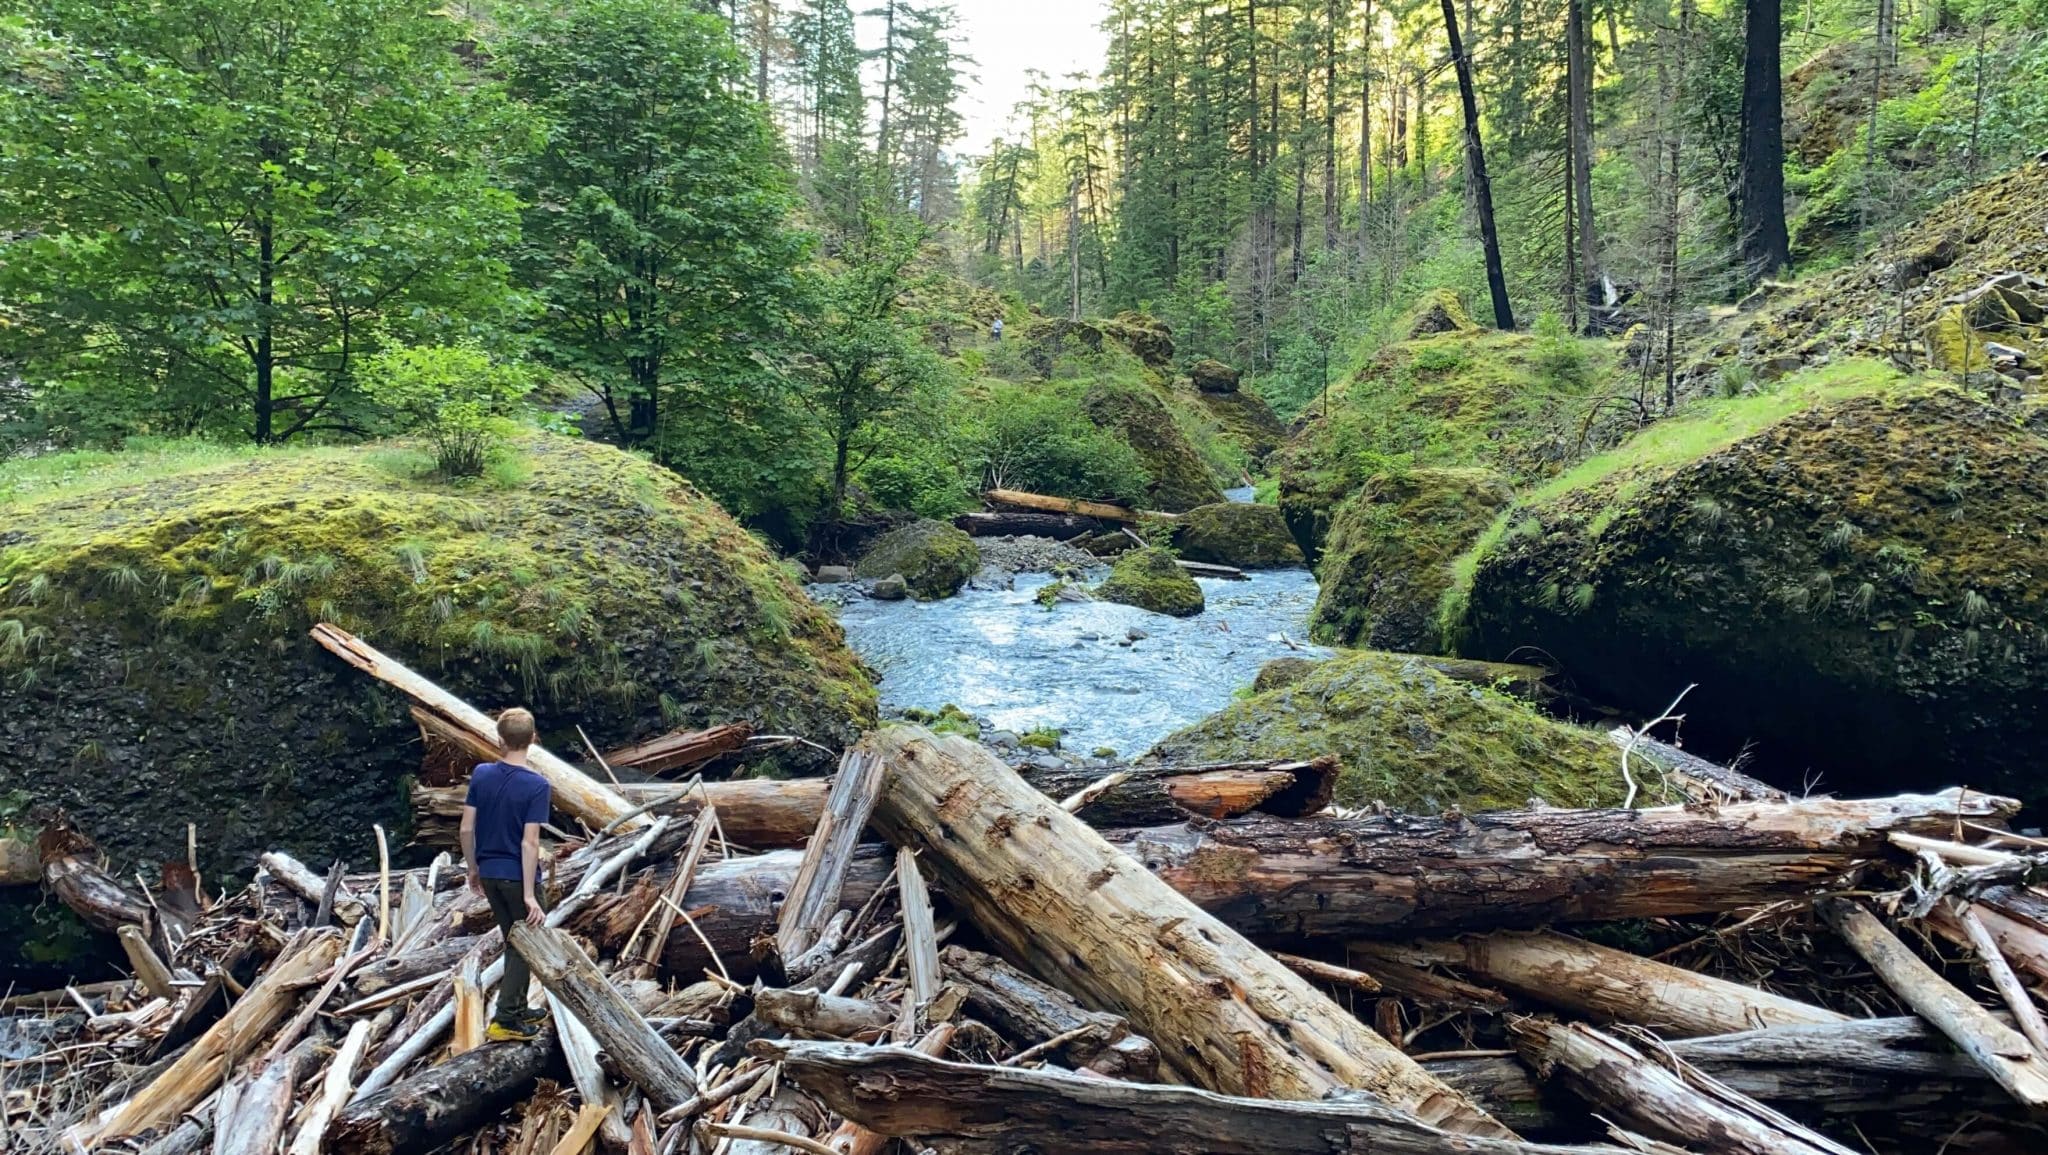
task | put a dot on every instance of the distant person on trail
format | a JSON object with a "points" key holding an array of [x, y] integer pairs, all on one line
{"points": [[501, 821], [995, 331]]}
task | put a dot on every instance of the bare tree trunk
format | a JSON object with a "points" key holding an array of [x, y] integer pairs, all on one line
{"points": [[1475, 156], [1579, 86], [1766, 247]]}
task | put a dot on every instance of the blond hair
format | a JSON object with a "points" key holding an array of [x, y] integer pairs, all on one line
{"points": [[515, 728]]}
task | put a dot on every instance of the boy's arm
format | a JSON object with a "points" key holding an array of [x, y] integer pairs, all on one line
{"points": [[529, 866], [469, 848]]}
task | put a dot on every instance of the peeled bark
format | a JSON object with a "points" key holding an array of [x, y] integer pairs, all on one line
{"points": [[680, 749], [446, 1100], [1070, 505], [967, 1107], [1054, 895]]}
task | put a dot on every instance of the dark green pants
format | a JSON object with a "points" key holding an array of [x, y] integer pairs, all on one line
{"points": [[508, 906]]}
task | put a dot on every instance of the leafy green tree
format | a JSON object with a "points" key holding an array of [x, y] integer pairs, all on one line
{"points": [[462, 399], [657, 229], [862, 359], [220, 206]]}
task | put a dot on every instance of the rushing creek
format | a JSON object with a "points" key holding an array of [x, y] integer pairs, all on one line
{"points": [[1107, 675]]}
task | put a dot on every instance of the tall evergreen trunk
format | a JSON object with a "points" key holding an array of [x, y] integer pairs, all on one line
{"points": [[1073, 250], [1331, 222], [1300, 259], [1765, 246], [1579, 86], [1365, 135], [1674, 88], [888, 85], [264, 355], [1475, 159]]}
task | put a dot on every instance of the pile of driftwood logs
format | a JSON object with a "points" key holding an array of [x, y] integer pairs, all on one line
{"points": [[1153, 960]]}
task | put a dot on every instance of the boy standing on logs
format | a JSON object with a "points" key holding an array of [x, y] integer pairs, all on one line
{"points": [[501, 821]]}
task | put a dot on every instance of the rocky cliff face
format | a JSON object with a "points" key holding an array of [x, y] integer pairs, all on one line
{"points": [[157, 669]]}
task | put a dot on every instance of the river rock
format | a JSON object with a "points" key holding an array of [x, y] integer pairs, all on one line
{"points": [[1860, 587], [930, 558], [167, 676], [1150, 579], [1148, 338], [889, 589], [1388, 559], [1411, 738], [833, 574], [1236, 533]]}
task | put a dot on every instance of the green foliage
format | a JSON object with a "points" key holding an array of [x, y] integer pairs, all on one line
{"points": [[456, 395], [947, 719], [1041, 439], [1043, 738], [222, 205]]}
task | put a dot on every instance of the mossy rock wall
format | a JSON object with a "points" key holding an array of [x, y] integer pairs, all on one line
{"points": [[1237, 534], [934, 558], [1858, 588], [158, 669], [1388, 559], [1245, 420], [1180, 480], [1151, 580], [1411, 738]]}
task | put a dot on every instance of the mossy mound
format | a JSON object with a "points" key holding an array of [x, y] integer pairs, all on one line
{"points": [[934, 558], [1151, 580], [1439, 311], [1214, 376], [1388, 559], [157, 668], [1281, 673], [1411, 738], [1245, 420], [1859, 585], [1180, 479], [1147, 337], [1511, 402], [1236, 533]]}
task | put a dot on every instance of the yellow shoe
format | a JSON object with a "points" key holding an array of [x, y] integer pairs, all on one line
{"points": [[519, 1032]]}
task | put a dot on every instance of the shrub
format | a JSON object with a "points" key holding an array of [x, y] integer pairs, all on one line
{"points": [[1040, 439], [456, 395]]}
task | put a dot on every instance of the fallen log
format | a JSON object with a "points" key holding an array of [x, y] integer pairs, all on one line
{"points": [[299, 878], [1101, 511], [2003, 1053], [1204, 569], [574, 793], [1605, 984], [634, 1047], [1045, 886], [1058, 526], [1031, 1013], [970, 1107], [72, 872], [813, 898], [447, 1100], [769, 814], [1648, 1099], [1703, 780], [680, 749], [194, 1075], [813, 1014]]}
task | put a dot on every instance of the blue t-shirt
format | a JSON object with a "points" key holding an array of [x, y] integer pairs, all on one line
{"points": [[507, 798]]}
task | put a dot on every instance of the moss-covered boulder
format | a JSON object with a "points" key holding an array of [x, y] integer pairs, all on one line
{"points": [[1246, 421], [1214, 377], [1151, 580], [1856, 579], [1525, 406], [1439, 311], [934, 559], [1281, 673], [1147, 337], [1236, 533], [1180, 479], [1388, 559], [1411, 738], [157, 670]]}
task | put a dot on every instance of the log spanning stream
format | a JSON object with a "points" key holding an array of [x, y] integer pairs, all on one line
{"points": [[998, 654]]}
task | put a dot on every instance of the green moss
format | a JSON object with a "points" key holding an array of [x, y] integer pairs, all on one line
{"points": [[1236, 534], [1150, 579], [934, 558], [1411, 738], [1438, 311], [1389, 556], [1044, 738], [947, 719]]}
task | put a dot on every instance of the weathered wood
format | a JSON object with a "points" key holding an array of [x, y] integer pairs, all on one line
{"points": [[388, 973], [1045, 886], [262, 1110], [2017, 999], [635, 1049], [1101, 511], [447, 1100], [814, 1014], [20, 865], [1703, 780], [574, 793], [680, 749], [72, 872], [920, 943], [1212, 570], [1001, 523], [1644, 1097], [1401, 875], [1605, 984], [581, 1052], [149, 969], [963, 1107], [298, 878], [334, 1089], [2003, 1053], [1031, 1013], [1331, 973], [180, 1087], [814, 897]]}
